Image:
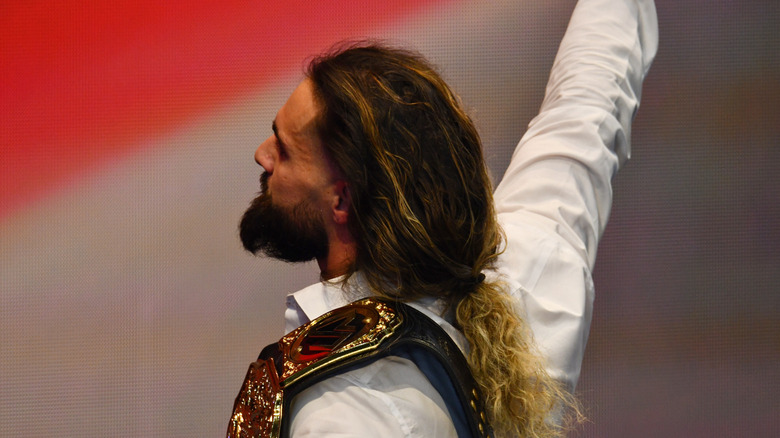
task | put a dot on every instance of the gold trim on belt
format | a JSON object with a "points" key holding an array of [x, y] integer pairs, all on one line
{"points": [[345, 333]]}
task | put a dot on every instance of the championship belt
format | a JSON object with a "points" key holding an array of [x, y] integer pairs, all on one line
{"points": [[355, 334]]}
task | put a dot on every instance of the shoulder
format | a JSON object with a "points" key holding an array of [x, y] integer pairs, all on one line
{"points": [[389, 397]]}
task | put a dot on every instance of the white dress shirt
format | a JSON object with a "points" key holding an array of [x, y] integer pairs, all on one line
{"points": [[553, 204]]}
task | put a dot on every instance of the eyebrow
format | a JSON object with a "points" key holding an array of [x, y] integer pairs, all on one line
{"points": [[276, 134], [282, 144]]}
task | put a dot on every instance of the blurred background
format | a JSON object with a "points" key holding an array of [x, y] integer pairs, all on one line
{"points": [[128, 308]]}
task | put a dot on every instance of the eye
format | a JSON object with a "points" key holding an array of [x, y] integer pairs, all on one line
{"points": [[282, 150]]}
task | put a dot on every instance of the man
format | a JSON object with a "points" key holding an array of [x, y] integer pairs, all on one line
{"points": [[375, 171]]}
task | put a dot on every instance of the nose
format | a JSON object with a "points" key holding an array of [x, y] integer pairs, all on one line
{"points": [[264, 155]]}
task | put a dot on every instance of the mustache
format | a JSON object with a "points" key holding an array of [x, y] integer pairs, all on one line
{"points": [[264, 182]]}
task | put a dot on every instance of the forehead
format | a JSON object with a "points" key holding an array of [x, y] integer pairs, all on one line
{"points": [[296, 120]]}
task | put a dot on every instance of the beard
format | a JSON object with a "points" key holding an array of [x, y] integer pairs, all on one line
{"points": [[292, 234]]}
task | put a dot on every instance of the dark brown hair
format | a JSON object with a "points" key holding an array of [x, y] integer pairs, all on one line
{"points": [[422, 214]]}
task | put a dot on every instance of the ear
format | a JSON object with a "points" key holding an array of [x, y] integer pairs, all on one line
{"points": [[342, 203]]}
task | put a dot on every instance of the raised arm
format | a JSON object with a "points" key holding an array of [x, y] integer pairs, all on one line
{"points": [[555, 197]]}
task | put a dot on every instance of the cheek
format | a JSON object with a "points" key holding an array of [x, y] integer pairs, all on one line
{"points": [[287, 191]]}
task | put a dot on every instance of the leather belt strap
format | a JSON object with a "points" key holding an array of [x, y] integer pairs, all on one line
{"points": [[352, 335]]}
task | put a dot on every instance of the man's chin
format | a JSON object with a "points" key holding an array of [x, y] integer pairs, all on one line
{"points": [[295, 236], [283, 252], [286, 256]]}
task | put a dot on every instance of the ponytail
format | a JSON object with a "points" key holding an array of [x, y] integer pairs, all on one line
{"points": [[521, 397]]}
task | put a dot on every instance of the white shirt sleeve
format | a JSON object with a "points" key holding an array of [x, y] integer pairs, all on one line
{"points": [[555, 197]]}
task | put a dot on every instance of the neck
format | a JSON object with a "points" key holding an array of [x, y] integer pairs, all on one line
{"points": [[330, 269], [338, 261]]}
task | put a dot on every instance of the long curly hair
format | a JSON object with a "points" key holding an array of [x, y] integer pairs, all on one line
{"points": [[422, 214]]}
